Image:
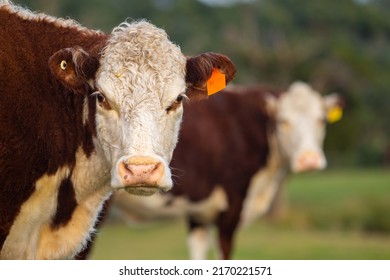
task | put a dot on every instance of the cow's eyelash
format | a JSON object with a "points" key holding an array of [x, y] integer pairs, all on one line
{"points": [[175, 104], [102, 100]]}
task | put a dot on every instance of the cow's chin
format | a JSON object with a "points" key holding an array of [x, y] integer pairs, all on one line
{"points": [[145, 190]]}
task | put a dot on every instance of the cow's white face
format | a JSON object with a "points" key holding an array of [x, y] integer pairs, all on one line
{"points": [[301, 114], [139, 79], [140, 83]]}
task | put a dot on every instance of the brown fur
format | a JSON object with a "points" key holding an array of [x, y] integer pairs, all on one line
{"points": [[199, 69], [65, 205], [40, 120]]}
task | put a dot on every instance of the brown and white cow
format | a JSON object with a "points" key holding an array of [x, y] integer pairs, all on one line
{"points": [[230, 163], [83, 113]]}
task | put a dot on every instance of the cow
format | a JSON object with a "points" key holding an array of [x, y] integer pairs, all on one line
{"points": [[231, 162], [84, 113]]}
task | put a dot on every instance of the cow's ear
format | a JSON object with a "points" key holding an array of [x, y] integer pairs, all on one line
{"points": [[334, 106], [200, 69], [74, 68]]}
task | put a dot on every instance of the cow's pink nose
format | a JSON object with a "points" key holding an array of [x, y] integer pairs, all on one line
{"points": [[140, 171], [309, 160]]}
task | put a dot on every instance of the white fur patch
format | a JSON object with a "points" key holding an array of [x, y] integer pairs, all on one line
{"points": [[66, 241], [264, 185], [207, 210], [90, 178], [36, 213], [32, 237], [89, 174], [199, 243], [85, 111]]}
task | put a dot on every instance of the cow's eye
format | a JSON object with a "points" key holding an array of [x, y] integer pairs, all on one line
{"points": [[176, 103], [179, 99], [101, 100]]}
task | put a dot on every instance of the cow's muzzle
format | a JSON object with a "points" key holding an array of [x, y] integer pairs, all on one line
{"points": [[309, 160], [142, 175]]}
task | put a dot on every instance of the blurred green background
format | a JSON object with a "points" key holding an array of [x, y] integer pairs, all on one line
{"points": [[337, 46]]}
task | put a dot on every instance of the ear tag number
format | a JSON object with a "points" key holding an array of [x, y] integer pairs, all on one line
{"points": [[216, 82]]}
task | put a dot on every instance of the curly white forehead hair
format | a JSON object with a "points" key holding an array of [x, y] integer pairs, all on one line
{"points": [[141, 44]]}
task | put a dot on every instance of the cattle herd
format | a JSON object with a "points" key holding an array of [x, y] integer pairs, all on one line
{"points": [[91, 120]]}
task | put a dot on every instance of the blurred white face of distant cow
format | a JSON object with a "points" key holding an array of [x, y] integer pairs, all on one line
{"points": [[140, 83], [301, 114]]}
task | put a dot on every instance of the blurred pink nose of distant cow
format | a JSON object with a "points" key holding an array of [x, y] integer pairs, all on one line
{"points": [[140, 170], [309, 160]]}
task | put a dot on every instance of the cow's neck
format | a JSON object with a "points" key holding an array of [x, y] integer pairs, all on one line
{"points": [[265, 184], [58, 218]]}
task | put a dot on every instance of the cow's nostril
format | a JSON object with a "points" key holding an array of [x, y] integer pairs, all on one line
{"points": [[138, 170]]}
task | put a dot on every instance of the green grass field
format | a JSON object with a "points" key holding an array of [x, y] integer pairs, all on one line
{"points": [[331, 215]]}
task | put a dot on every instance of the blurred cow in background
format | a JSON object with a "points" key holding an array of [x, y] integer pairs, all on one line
{"points": [[232, 160]]}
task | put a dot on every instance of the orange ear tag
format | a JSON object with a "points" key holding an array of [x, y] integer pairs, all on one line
{"points": [[216, 82]]}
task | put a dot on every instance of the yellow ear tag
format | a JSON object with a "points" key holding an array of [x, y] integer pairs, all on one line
{"points": [[335, 114], [216, 82]]}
